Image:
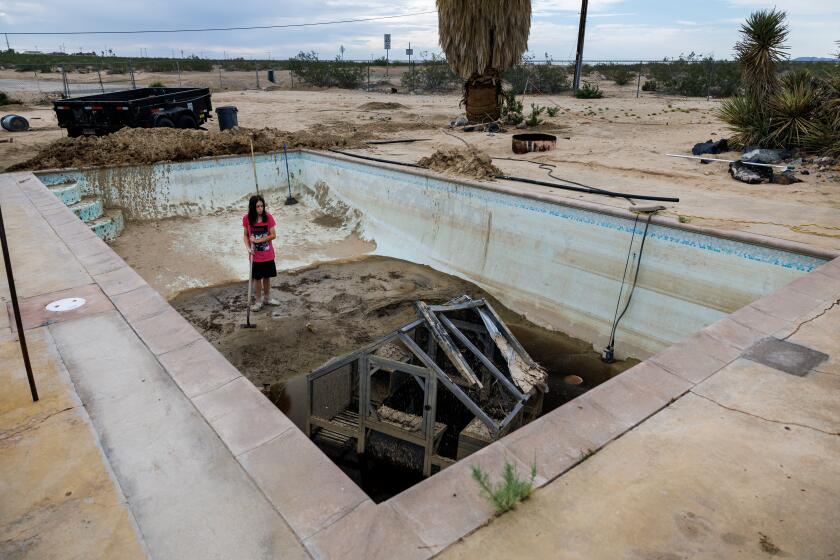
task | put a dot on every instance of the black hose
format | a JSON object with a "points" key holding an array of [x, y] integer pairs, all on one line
{"points": [[588, 190], [608, 352]]}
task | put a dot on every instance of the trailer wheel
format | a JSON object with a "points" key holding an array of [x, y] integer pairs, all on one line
{"points": [[186, 121], [164, 122]]}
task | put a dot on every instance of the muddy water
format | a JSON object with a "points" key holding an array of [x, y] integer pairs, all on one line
{"points": [[332, 309]]}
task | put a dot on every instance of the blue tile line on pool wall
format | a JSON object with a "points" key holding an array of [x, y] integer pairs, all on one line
{"points": [[758, 253]]}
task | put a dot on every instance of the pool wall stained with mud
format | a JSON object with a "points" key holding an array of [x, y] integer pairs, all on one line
{"points": [[558, 261]]}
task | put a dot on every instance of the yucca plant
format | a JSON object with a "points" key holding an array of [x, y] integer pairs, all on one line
{"points": [[760, 50], [792, 112], [481, 38], [749, 124]]}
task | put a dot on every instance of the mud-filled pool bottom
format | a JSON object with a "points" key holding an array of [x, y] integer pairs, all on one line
{"points": [[333, 309]]}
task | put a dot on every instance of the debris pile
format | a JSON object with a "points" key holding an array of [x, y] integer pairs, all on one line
{"points": [[382, 106], [711, 147], [152, 145], [462, 161]]}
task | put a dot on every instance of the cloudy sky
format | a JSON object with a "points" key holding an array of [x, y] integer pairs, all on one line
{"points": [[617, 29]]}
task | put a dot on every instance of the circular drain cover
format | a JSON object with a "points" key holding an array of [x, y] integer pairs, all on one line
{"points": [[65, 304]]}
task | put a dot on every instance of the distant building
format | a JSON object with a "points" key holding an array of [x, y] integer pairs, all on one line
{"points": [[85, 54], [32, 52]]}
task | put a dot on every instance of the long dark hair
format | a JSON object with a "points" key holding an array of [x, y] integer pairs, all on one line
{"points": [[252, 209]]}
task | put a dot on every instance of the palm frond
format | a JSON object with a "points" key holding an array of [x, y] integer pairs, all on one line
{"points": [[480, 34]]}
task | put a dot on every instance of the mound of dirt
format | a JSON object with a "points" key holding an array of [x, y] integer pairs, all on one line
{"points": [[152, 145], [380, 105], [461, 161]]}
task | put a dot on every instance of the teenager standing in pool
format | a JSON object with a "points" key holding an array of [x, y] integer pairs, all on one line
{"points": [[259, 232]]}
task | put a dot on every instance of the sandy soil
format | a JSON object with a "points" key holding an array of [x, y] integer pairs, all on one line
{"points": [[618, 142], [331, 309], [208, 250]]}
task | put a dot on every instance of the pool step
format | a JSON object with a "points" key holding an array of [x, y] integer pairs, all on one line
{"points": [[109, 226], [87, 209], [68, 193]]}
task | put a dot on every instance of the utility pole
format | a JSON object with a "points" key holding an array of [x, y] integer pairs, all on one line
{"points": [[579, 55], [8, 48]]}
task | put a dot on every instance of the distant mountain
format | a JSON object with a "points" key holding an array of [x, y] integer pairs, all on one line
{"points": [[813, 59]]}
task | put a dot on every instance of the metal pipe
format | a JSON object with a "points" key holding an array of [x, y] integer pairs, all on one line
{"points": [[728, 161], [7, 260]]}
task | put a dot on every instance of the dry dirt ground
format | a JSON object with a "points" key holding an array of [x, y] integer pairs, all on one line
{"points": [[618, 142]]}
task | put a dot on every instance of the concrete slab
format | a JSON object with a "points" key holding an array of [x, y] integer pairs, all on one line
{"points": [[758, 320], [442, 509], [817, 285], [821, 334], [776, 396], [281, 466], [694, 481], [58, 496], [786, 304], [695, 358], [166, 332], [243, 417], [34, 313], [198, 368], [370, 532], [140, 303], [119, 281], [733, 333], [190, 497], [785, 356]]}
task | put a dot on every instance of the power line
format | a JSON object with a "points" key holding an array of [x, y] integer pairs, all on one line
{"points": [[218, 28]]}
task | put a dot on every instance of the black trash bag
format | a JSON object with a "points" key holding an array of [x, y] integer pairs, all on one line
{"points": [[711, 147]]}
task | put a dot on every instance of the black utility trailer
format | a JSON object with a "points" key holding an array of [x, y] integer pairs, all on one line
{"points": [[145, 107]]}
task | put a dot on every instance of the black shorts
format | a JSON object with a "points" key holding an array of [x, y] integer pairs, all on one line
{"points": [[265, 269]]}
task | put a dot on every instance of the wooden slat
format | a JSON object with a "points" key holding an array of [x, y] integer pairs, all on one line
{"points": [[447, 344]]}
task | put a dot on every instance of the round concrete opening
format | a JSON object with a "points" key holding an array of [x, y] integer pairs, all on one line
{"points": [[65, 304]]}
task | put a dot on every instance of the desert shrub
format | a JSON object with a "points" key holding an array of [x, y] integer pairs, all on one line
{"points": [[619, 73], [157, 84], [511, 108], [649, 85], [433, 75], [539, 78], [325, 73], [552, 111], [6, 100], [796, 109], [589, 91], [534, 118], [509, 491], [696, 76]]}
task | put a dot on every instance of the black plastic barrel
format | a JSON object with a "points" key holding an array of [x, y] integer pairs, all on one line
{"points": [[227, 117], [14, 123]]}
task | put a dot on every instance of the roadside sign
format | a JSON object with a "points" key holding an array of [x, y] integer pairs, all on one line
{"points": [[409, 52], [387, 41]]}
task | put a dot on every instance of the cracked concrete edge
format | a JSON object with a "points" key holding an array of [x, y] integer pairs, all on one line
{"points": [[82, 413], [763, 418]]}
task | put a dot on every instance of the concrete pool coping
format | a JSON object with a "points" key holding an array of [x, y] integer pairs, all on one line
{"points": [[329, 514]]}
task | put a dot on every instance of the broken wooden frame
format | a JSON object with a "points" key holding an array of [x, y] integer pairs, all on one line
{"points": [[332, 387]]}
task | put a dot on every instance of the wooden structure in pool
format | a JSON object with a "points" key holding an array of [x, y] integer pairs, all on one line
{"points": [[429, 393]]}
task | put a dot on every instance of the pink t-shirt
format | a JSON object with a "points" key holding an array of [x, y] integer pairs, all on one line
{"points": [[263, 251]]}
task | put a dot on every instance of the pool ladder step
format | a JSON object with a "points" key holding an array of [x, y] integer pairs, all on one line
{"points": [[106, 223]]}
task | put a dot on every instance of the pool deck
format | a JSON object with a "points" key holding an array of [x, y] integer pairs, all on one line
{"points": [[147, 442]]}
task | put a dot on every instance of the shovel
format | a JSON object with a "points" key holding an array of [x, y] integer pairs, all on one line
{"points": [[247, 324]]}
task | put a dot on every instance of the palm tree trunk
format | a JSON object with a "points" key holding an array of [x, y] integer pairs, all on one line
{"points": [[482, 96]]}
